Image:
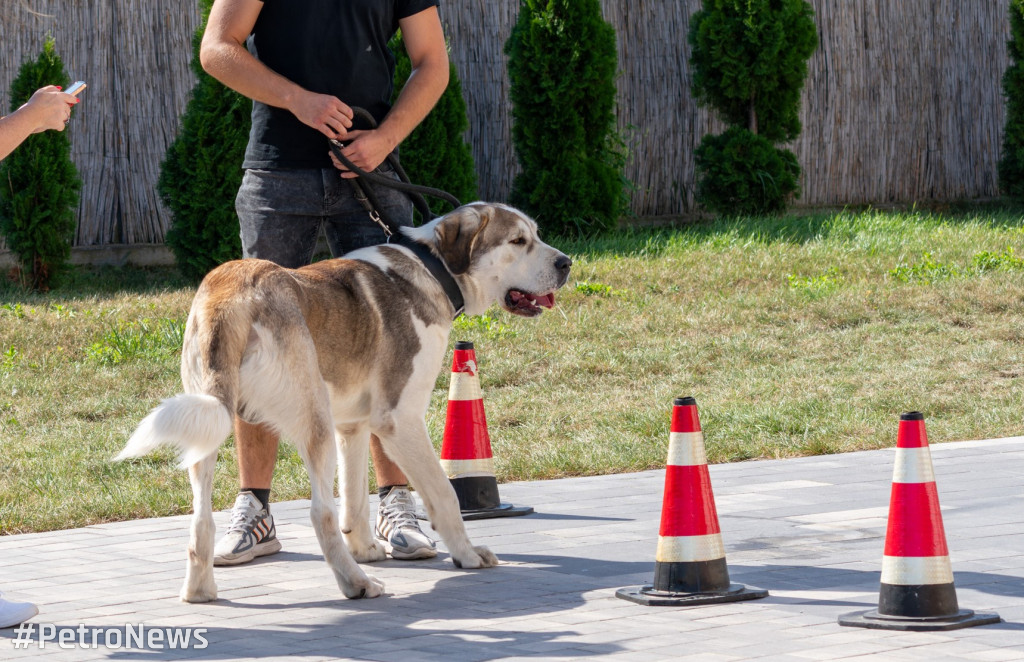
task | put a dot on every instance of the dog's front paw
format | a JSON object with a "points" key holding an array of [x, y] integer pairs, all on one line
{"points": [[481, 557], [366, 586], [368, 553], [206, 592]]}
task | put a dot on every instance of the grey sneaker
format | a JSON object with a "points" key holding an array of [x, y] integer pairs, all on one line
{"points": [[250, 534], [398, 528]]}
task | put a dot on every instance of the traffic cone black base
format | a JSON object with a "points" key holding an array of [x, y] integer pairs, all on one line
{"points": [[502, 510], [647, 595], [478, 499], [964, 618]]}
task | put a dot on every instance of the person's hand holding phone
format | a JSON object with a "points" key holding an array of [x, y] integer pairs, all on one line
{"points": [[48, 109], [51, 107]]}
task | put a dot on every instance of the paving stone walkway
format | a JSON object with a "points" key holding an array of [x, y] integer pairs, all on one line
{"points": [[809, 530]]}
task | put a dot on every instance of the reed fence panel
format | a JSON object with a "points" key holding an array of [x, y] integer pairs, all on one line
{"points": [[903, 101], [135, 58]]}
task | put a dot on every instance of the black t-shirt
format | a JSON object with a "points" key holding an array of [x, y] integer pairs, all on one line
{"points": [[337, 47]]}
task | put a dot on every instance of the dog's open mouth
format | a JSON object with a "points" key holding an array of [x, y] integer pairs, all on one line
{"points": [[526, 304]]}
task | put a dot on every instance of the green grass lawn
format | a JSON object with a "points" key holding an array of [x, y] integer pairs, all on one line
{"points": [[799, 335]]}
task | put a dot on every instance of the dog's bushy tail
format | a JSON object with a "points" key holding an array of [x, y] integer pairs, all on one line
{"points": [[194, 423]]}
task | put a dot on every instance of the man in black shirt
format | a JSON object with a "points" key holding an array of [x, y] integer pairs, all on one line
{"points": [[305, 64]]}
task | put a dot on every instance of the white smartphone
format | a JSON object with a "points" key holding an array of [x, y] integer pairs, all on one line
{"points": [[75, 88]]}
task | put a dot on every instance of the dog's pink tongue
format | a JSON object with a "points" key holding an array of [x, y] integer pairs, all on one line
{"points": [[548, 300]]}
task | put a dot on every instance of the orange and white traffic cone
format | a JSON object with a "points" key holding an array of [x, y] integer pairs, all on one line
{"points": [[917, 591], [690, 566], [466, 449]]}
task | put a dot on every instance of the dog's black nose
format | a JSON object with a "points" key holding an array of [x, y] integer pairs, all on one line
{"points": [[563, 263]]}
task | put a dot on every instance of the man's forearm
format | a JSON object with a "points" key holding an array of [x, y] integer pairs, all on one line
{"points": [[425, 86], [236, 68], [232, 64]]}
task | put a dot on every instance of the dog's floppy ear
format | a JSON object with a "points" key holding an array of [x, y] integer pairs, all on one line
{"points": [[456, 234]]}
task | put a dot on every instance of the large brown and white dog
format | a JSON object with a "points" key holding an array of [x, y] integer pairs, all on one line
{"points": [[332, 352]]}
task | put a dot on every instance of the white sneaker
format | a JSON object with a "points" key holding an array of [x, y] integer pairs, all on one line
{"points": [[398, 528], [15, 613], [250, 534]]}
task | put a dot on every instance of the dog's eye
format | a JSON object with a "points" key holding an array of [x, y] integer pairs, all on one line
{"points": [[518, 241]]}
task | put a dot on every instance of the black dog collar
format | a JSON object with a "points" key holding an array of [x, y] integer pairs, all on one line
{"points": [[436, 268]]}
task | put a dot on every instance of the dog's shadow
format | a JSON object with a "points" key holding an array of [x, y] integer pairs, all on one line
{"points": [[459, 616]]}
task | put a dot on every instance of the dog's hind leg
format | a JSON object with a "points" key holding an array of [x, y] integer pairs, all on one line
{"points": [[415, 455], [353, 446], [199, 585]]}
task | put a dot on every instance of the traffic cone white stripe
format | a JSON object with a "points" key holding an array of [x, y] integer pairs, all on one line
{"points": [[916, 570], [913, 465], [684, 549], [468, 468], [465, 386], [686, 449]]}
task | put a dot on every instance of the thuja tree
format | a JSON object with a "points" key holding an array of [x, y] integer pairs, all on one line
{"points": [[201, 172], [39, 184], [436, 153], [1011, 163], [749, 63], [562, 66]]}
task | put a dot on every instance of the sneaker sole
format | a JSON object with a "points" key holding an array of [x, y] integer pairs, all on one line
{"points": [[261, 549], [415, 555]]}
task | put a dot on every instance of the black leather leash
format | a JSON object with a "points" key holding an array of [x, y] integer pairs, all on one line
{"points": [[365, 195]]}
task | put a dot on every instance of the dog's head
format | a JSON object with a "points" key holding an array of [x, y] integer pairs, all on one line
{"points": [[496, 255]]}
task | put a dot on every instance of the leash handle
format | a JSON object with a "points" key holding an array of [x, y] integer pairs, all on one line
{"points": [[414, 191]]}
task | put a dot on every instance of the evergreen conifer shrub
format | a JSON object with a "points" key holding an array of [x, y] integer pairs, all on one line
{"points": [[743, 173], [562, 66], [436, 153], [749, 62], [1011, 162], [202, 171], [39, 184]]}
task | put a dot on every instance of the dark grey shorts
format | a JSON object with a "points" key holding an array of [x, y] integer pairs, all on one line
{"points": [[281, 213]]}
